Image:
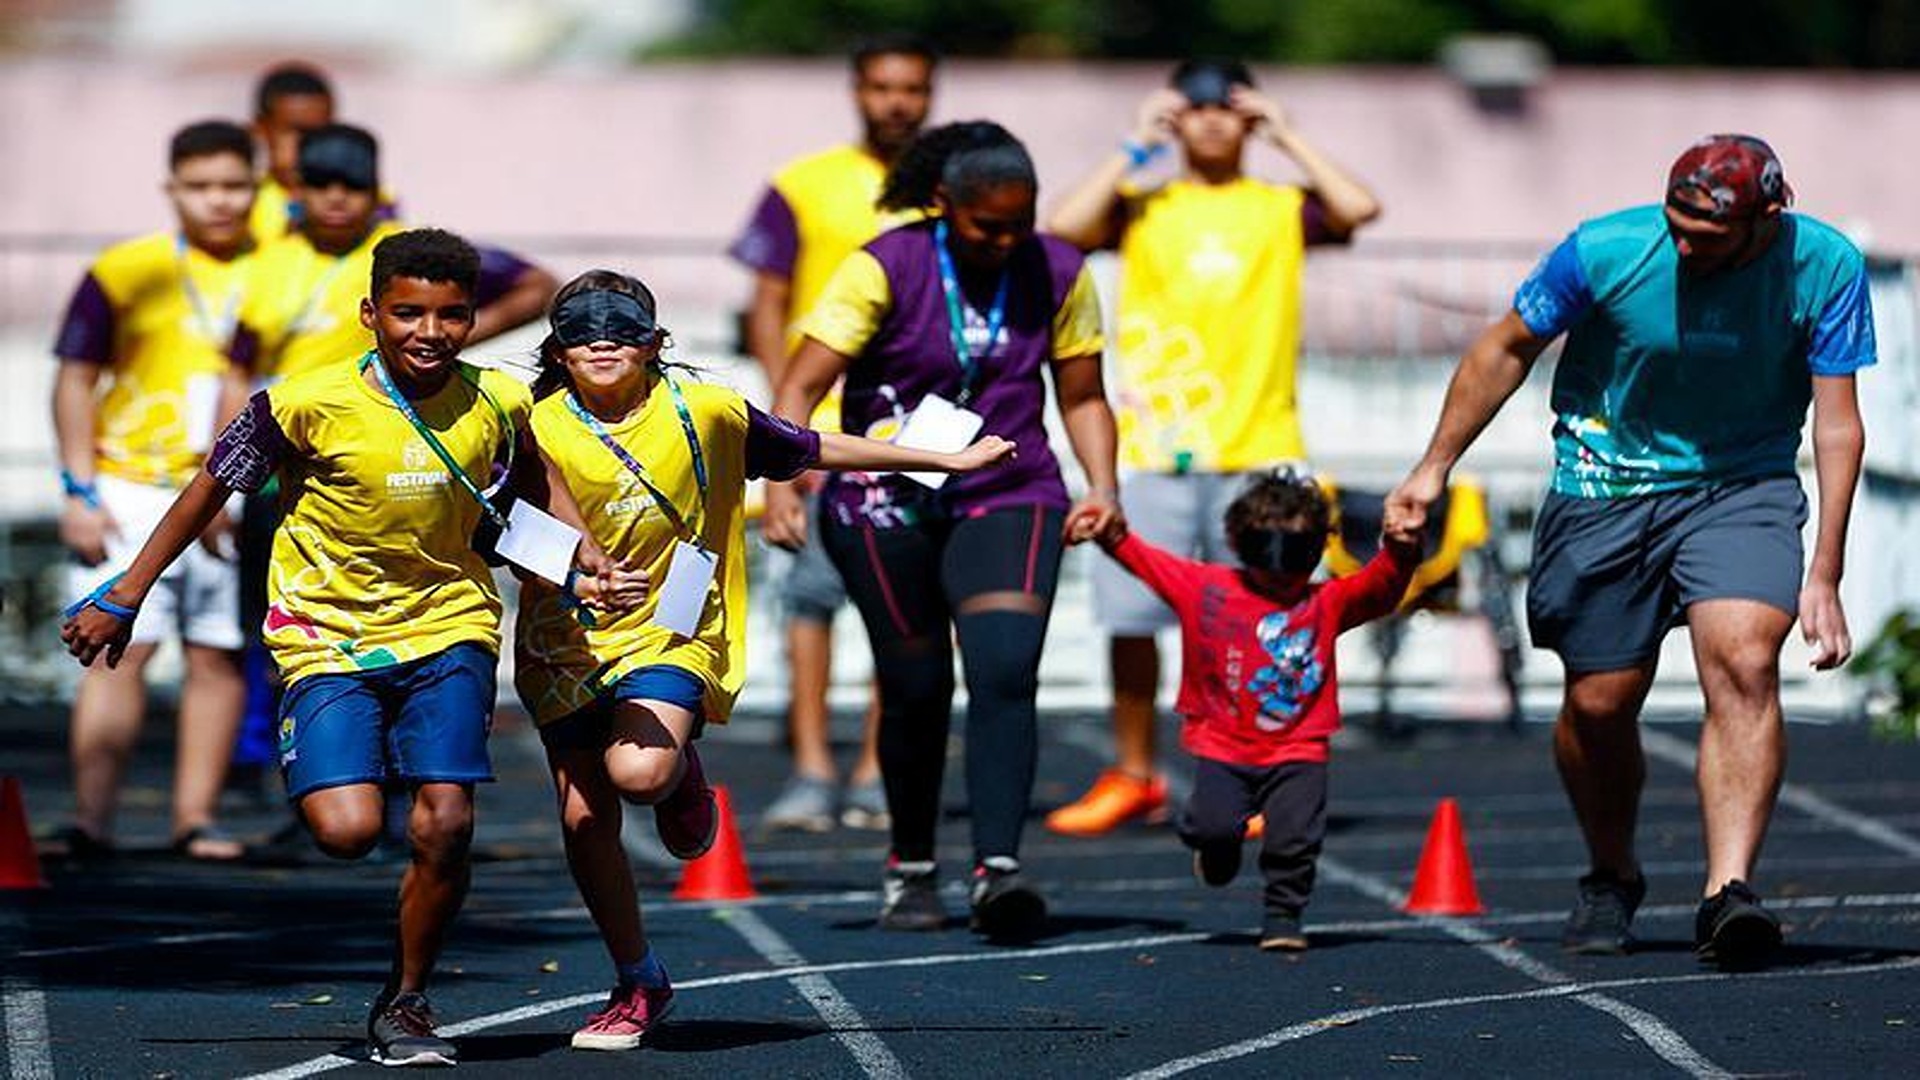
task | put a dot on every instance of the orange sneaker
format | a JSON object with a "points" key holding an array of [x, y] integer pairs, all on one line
{"points": [[1113, 800], [1256, 826]]}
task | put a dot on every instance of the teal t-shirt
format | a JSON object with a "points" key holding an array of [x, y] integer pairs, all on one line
{"points": [[1671, 380]]}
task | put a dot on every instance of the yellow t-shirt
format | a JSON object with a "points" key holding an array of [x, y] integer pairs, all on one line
{"points": [[818, 210], [373, 564], [560, 666], [304, 311], [156, 313], [1208, 334]]}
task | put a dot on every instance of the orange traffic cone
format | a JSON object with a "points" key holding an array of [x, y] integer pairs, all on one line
{"points": [[1443, 884], [720, 874], [19, 863]]}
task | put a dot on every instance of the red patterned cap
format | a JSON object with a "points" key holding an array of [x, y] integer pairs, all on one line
{"points": [[1738, 174]]}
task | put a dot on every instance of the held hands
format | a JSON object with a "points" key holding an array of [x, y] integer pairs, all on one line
{"points": [[1096, 516], [1408, 504], [784, 521], [606, 585], [1824, 625]]}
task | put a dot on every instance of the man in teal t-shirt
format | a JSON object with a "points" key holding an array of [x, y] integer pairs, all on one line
{"points": [[1697, 334]]}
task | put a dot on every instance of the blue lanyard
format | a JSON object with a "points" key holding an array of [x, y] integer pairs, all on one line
{"points": [[379, 366], [639, 471], [216, 333], [957, 315]]}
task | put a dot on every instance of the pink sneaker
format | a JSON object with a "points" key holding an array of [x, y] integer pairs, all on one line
{"points": [[630, 1013], [688, 819]]}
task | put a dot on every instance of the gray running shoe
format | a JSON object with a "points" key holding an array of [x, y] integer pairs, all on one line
{"points": [[1733, 931], [1600, 922], [1280, 932], [910, 897], [400, 1031], [864, 806], [805, 805]]}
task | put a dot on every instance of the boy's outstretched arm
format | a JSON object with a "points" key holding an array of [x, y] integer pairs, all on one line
{"points": [[840, 452]]}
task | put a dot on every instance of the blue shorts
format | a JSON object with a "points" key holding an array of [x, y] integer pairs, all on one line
{"points": [[424, 721], [589, 727], [1610, 577]]}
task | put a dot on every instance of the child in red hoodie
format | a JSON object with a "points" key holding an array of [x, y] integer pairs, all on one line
{"points": [[1258, 685]]}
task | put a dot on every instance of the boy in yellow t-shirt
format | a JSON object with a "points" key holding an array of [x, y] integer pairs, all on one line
{"points": [[1207, 340], [135, 404], [384, 620]]}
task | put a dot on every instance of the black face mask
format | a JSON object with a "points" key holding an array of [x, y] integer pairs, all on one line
{"points": [[603, 315], [1280, 550]]}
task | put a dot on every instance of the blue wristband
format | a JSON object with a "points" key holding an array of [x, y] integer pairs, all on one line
{"points": [[88, 492], [1138, 154], [98, 598], [572, 599]]}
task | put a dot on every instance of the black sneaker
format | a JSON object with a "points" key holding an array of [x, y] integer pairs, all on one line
{"points": [[1216, 866], [1733, 930], [400, 1032], [1006, 907], [910, 897], [1601, 920], [1280, 932]]}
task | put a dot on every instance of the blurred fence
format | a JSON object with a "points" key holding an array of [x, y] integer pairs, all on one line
{"points": [[1384, 322]]}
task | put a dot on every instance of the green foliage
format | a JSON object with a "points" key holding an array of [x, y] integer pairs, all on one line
{"points": [[1891, 663], [1750, 33]]}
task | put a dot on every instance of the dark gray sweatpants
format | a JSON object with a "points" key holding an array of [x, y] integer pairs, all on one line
{"points": [[1292, 796]]}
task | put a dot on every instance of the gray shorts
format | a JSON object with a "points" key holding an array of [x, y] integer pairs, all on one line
{"points": [[809, 586], [1182, 513], [1611, 576]]}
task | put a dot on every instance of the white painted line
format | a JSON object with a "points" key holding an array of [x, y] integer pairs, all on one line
{"points": [[1650, 1029], [1336, 1021], [29, 1044], [848, 1026], [1676, 751]]}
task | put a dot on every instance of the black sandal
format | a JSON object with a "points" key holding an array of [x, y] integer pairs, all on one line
{"points": [[79, 845], [212, 834]]}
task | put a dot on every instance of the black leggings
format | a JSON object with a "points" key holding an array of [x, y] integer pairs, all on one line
{"points": [[992, 578]]}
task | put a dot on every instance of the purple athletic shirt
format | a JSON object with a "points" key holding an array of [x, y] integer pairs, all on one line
{"points": [[87, 331], [778, 449], [771, 240], [912, 355]]}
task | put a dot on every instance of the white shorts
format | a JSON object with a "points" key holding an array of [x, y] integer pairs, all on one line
{"points": [[1180, 512], [198, 598]]}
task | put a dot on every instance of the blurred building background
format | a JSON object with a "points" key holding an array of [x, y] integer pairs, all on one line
{"points": [[638, 135]]}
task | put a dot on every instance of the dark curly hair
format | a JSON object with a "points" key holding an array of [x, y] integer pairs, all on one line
{"points": [[1279, 498], [966, 158], [427, 254]]}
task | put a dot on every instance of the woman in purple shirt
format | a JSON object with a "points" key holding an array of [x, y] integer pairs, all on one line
{"points": [[943, 327]]}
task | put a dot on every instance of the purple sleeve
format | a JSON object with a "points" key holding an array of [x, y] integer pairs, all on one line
{"points": [[771, 242], [87, 331], [779, 449], [499, 269], [246, 454], [244, 349], [1556, 294], [1315, 227]]}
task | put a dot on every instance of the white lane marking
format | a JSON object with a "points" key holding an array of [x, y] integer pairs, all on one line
{"points": [[1650, 1029], [1675, 751], [29, 1043], [845, 1021], [1336, 1021]]}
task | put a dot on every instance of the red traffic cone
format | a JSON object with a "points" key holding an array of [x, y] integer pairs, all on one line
{"points": [[720, 874], [1443, 884], [19, 862]]}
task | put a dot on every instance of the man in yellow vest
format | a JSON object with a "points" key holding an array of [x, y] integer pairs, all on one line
{"points": [[1207, 342], [816, 211]]}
